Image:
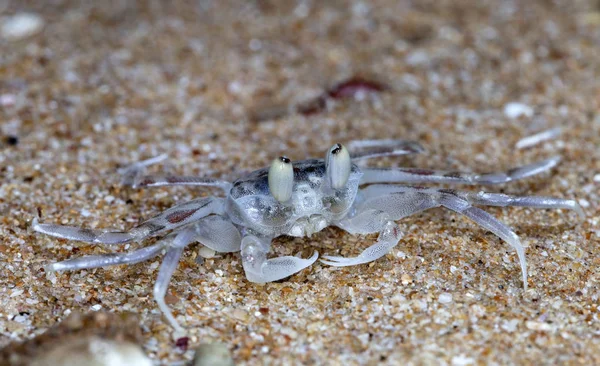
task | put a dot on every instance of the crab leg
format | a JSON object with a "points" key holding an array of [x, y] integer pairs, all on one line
{"points": [[169, 219], [479, 198], [131, 172], [387, 202], [489, 222], [133, 176], [373, 213], [415, 175], [378, 215], [165, 273], [365, 149], [178, 180], [214, 231], [105, 260]]}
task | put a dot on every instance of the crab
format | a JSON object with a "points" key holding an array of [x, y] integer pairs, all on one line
{"points": [[298, 199]]}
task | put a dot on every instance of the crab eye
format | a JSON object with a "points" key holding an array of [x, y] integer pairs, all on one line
{"points": [[338, 166], [281, 179]]}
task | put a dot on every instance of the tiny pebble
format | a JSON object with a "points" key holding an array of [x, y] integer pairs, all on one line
{"points": [[21, 26], [240, 314], [540, 326], [445, 298], [212, 354], [510, 325], [516, 110], [206, 252], [16, 292], [7, 100], [20, 319], [462, 360], [597, 178]]}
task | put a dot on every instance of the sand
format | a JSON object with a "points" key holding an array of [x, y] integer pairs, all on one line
{"points": [[86, 89]]}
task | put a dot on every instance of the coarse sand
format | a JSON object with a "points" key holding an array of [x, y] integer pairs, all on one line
{"points": [[88, 87]]}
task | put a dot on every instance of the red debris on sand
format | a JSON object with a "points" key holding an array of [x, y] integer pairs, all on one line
{"points": [[347, 89], [182, 343], [351, 87]]}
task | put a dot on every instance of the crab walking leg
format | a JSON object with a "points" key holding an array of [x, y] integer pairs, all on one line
{"points": [[95, 261], [213, 231], [492, 224], [365, 149], [479, 198], [378, 215], [132, 175], [179, 180], [169, 219], [167, 268], [415, 175], [131, 172], [259, 269], [503, 200], [410, 201]]}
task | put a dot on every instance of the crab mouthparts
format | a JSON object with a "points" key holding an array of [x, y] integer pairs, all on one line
{"points": [[306, 226]]}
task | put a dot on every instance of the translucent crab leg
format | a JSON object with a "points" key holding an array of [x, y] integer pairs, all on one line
{"points": [[169, 219], [131, 172], [214, 231], [365, 149], [478, 198], [133, 176], [373, 212], [179, 180], [95, 261], [416, 175], [503, 200], [492, 224]]}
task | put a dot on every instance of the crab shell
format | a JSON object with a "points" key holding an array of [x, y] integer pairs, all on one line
{"points": [[313, 205]]}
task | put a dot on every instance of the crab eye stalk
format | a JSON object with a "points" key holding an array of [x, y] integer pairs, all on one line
{"points": [[338, 166], [281, 179]]}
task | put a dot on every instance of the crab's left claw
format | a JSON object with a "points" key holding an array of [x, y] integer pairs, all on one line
{"points": [[277, 268], [259, 269]]}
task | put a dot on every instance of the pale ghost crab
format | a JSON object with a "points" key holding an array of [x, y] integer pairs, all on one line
{"points": [[299, 199]]}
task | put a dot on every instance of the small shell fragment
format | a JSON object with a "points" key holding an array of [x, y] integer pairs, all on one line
{"points": [[516, 110], [539, 137], [21, 26]]}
